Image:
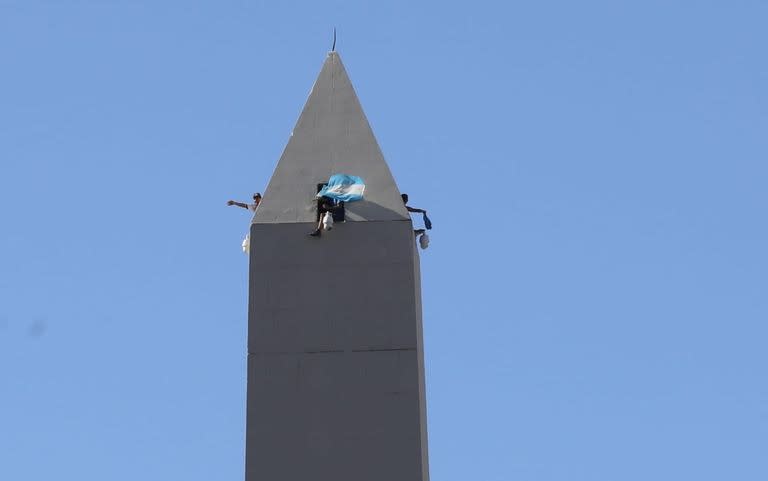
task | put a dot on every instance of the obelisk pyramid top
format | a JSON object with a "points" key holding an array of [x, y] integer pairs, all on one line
{"points": [[331, 136]]}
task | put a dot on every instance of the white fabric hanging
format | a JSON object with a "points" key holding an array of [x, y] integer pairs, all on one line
{"points": [[327, 221], [424, 240]]}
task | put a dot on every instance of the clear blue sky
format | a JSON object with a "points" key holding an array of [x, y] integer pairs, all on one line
{"points": [[596, 291]]}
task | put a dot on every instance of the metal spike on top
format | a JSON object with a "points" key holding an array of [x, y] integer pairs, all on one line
{"points": [[333, 47]]}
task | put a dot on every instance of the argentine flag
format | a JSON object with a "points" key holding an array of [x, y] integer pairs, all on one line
{"points": [[344, 188]]}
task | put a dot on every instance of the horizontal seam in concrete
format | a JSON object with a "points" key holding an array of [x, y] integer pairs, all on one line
{"points": [[384, 350], [315, 223], [335, 351]]}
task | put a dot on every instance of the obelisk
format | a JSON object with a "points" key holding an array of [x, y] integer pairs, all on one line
{"points": [[335, 352]]}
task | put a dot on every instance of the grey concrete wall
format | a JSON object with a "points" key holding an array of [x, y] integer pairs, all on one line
{"points": [[335, 355]]}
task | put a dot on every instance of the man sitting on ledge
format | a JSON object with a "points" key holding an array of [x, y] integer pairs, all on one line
{"points": [[324, 205]]}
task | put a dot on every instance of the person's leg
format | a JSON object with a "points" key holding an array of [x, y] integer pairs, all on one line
{"points": [[320, 211], [319, 229]]}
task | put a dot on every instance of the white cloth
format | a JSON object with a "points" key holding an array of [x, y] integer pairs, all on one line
{"points": [[328, 221], [424, 240]]}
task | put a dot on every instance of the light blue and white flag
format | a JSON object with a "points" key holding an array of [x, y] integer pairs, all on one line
{"points": [[344, 188]]}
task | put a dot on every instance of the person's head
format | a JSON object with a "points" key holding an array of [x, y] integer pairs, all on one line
{"points": [[405, 198], [257, 197]]}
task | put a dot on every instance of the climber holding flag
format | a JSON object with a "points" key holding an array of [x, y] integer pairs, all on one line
{"points": [[340, 188]]}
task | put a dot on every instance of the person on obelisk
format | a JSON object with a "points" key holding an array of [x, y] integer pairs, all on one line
{"points": [[340, 189], [251, 207]]}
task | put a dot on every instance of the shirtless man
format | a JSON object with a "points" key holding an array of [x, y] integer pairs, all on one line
{"points": [[251, 207], [427, 222], [409, 208]]}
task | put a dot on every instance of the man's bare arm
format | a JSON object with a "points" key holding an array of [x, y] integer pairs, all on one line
{"points": [[414, 209], [239, 204]]}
